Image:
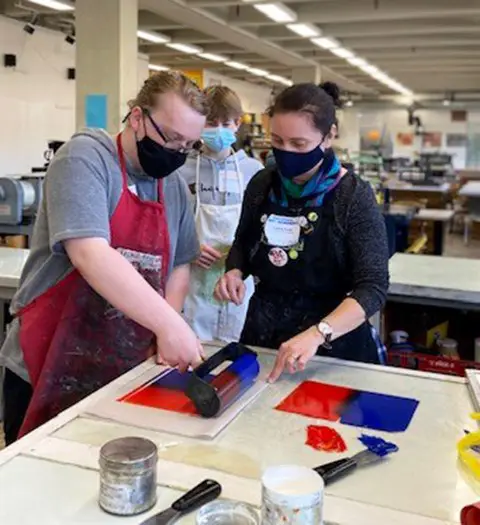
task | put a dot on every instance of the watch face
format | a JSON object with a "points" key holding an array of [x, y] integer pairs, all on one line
{"points": [[325, 329]]}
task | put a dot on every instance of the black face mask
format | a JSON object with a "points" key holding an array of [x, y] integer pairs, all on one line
{"points": [[156, 161]]}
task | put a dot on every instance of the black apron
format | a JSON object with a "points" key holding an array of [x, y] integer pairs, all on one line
{"points": [[297, 286]]}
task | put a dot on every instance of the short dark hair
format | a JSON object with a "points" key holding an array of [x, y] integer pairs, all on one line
{"points": [[320, 102]]}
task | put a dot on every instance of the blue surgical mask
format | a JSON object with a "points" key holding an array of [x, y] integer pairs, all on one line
{"points": [[218, 139], [291, 164]]}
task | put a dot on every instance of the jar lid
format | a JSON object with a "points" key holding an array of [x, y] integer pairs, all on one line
{"points": [[128, 451], [448, 343]]}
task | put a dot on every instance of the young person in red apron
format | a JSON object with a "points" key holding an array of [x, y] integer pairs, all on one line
{"points": [[314, 239], [117, 280]]}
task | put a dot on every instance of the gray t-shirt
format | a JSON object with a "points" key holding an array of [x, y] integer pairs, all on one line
{"points": [[81, 191]]}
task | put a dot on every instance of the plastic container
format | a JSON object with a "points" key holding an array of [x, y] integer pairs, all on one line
{"points": [[398, 336], [292, 495], [227, 513], [448, 348], [477, 349], [128, 476]]}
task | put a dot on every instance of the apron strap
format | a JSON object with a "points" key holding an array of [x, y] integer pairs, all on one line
{"points": [[123, 164], [241, 181], [197, 187]]}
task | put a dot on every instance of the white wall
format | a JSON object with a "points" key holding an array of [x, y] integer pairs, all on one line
{"points": [[36, 99], [396, 121], [37, 102], [255, 99]]}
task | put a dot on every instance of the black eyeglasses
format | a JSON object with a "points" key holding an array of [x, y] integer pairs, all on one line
{"points": [[174, 144]]}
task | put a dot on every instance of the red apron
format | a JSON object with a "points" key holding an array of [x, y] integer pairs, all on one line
{"points": [[73, 340]]}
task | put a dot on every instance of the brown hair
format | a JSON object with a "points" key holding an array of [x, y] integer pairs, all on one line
{"points": [[320, 102], [224, 104], [166, 82]]}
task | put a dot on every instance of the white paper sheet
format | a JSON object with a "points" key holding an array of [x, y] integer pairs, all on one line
{"points": [[166, 421], [473, 378]]}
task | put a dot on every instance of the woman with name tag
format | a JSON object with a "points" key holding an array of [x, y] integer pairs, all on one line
{"points": [[314, 239], [217, 177]]}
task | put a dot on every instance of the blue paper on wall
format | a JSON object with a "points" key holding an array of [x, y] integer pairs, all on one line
{"points": [[96, 111]]}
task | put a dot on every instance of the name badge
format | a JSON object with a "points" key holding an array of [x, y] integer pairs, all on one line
{"points": [[282, 231], [228, 181]]}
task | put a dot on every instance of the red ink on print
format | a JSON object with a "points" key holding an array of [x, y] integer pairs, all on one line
{"points": [[316, 400]]}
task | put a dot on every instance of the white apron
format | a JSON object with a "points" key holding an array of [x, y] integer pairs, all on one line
{"points": [[216, 226]]}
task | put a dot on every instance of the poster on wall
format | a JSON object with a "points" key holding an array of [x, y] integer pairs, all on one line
{"points": [[196, 75], [456, 140], [405, 139], [432, 140]]}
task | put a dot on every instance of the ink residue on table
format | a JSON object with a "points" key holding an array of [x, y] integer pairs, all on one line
{"points": [[325, 438]]}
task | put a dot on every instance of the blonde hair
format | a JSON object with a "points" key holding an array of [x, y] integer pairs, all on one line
{"points": [[224, 104], [168, 82]]}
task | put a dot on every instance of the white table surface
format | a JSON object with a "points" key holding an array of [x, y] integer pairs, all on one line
{"points": [[407, 186], [471, 189], [420, 485], [448, 278], [434, 214], [12, 261]]}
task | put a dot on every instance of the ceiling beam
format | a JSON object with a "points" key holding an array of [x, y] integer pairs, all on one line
{"points": [[389, 29], [223, 3], [151, 21], [188, 36], [354, 11], [364, 30], [411, 43], [396, 54], [212, 25]]}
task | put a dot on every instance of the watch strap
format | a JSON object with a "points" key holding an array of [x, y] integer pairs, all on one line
{"points": [[327, 337]]}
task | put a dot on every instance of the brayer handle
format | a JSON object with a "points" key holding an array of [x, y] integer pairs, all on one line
{"points": [[336, 469], [200, 495]]}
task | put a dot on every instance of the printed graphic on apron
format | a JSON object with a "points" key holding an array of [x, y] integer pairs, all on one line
{"points": [[144, 263]]}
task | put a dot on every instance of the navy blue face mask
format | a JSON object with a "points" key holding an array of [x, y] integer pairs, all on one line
{"points": [[291, 164]]}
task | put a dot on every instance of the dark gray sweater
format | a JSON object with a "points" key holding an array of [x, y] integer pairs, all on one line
{"points": [[359, 236]]}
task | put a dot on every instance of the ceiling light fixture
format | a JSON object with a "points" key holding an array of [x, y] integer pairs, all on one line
{"points": [[155, 67], [257, 72], [369, 69], [325, 42], [349, 103], [357, 61], [156, 38], [305, 30], [448, 99], [342, 52], [53, 4], [236, 65], [277, 12], [213, 57], [185, 48], [280, 80]]}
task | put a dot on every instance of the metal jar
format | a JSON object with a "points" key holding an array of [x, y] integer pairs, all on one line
{"points": [[128, 476]]}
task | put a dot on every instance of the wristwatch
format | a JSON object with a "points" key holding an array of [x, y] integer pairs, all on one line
{"points": [[326, 331]]}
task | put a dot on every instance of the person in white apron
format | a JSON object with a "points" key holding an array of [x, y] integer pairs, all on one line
{"points": [[217, 177]]}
